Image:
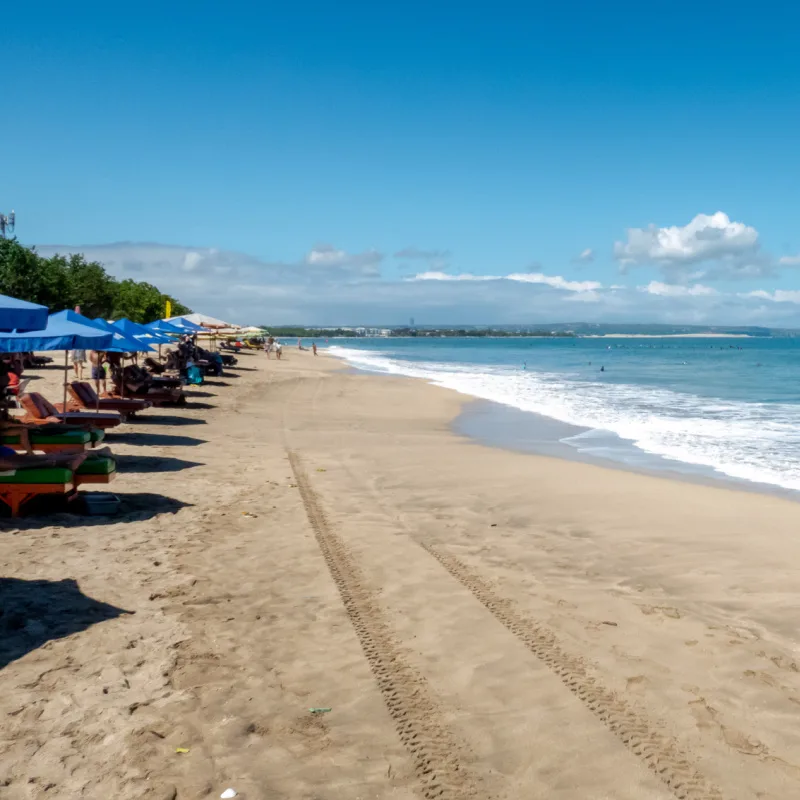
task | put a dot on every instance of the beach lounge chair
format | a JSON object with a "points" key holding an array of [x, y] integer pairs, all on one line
{"points": [[102, 469], [40, 411], [30, 482], [25, 484], [84, 397], [76, 440]]}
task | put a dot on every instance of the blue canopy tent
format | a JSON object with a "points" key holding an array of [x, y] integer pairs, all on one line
{"points": [[20, 315], [137, 331], [59, 334]]}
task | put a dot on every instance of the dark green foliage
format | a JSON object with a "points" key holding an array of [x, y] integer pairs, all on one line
{"points": [[63, 282]]}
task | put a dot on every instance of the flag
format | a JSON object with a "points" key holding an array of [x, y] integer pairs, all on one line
{"points": [[168, 310]]}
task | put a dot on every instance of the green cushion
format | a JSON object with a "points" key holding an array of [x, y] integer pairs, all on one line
{"points": [[73, 437], [39, 475], [97, 466], [97, 435]]}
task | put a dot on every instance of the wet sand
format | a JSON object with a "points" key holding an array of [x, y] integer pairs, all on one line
{"points": [[480, 623]]}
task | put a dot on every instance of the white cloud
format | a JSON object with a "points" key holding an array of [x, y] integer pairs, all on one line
{"points": [[705, 237], [555, 281], [778, 296], [585, 256], [677, 290], [444, 276], [326, 255], [789, 261], [334, 286]]}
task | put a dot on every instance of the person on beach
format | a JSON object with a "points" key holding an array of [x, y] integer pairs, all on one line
{"points": [[78, 358], [314, 347], [278, 349], [97, 358], [268, 346]]}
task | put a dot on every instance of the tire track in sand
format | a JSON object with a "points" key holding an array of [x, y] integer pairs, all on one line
{"points": [[636, 733], [437, 758]]}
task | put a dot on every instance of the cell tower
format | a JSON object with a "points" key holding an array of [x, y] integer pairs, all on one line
{"points": [[7, 223]]}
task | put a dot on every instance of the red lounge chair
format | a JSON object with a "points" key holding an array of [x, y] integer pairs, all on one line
{"points": [[39, 411], [85, 397]]}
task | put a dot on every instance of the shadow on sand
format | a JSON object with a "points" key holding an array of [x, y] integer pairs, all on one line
{"points": [[33, 613], [166, 419], [49, 511], [144, 439], [153, 464]]}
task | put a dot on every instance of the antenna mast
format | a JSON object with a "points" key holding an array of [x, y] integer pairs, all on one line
{"points": [[7, 223]]}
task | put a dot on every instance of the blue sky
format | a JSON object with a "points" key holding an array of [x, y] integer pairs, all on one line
{"points": [[343, 162]]}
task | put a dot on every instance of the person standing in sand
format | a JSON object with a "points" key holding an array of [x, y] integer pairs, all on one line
{"points": [[278, 349], [97, 359], [268, 346], [78, 357], [314, 347]]}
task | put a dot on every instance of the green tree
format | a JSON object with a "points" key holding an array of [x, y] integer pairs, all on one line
{"points": [[24, 274], [138, 301], [90, 287], [61, 282]]}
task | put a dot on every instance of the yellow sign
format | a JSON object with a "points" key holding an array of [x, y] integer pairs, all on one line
{"points": [[168, 309]]}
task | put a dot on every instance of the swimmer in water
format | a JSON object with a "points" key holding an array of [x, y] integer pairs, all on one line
{"points": [[602, 369]]}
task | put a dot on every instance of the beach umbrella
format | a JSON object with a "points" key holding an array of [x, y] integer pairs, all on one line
{"points": [[60, 333], [122, 343], [186, 325], [160, 326], [20, 315], [137, 331], [205, 321]]}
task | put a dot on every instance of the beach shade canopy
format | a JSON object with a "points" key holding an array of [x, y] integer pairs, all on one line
{"points": [[134, 330], [20, 315], [122, 343], [205, 321], [159, 326], [58, 334]]}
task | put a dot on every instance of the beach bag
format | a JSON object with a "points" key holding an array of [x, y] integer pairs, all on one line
{"points": [[194, 376]]}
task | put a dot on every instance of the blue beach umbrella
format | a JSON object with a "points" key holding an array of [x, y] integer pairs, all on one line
{"points": [[137, 331], [20, 315], [186, 325], [59, 334], [122, 343], [160, 326]]}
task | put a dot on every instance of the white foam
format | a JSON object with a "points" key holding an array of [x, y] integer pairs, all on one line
{"points": [[752, 441]]}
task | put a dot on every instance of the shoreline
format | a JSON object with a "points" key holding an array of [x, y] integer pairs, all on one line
{"points": [[496, 424], [303, 537]]}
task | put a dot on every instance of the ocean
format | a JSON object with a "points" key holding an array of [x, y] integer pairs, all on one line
{"points": [[729, 407]]}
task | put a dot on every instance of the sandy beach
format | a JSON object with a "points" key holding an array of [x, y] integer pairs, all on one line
{"points": [[472, 622]]}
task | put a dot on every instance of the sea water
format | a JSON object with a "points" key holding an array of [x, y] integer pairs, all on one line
{"points": [[731, 405]]}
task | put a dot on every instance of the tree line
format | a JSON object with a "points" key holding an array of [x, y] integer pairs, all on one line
{"points": [[61, 282]]}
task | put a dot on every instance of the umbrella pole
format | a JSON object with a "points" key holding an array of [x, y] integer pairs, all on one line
{"points": [[66, 377]]}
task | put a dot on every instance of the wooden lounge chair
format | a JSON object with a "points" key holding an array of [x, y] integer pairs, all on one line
{"points": [[25, 484], [96, 470], [76, 440], [29, 482], [40, 411], [84, 397]]}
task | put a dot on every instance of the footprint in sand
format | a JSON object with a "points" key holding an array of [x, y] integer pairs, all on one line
{"points": [[706, 717], [665, 611]]}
